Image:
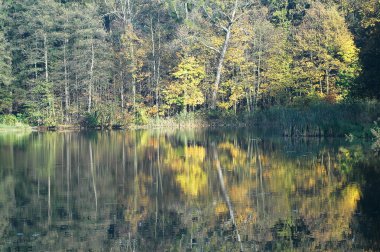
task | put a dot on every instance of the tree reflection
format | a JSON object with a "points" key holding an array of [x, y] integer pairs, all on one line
{"points": [[178, 190]]}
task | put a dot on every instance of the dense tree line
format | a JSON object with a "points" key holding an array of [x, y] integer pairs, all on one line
{"points": [[121, 60]]}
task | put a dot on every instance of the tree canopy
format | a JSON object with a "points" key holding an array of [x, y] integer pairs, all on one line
{"points": [[62, 61]]}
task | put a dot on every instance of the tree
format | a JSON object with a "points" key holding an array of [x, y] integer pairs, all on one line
{"points": [[365, 18], [5, 76], [72, 60], [239, 70], [222, 15], [370, 59], [186, 90], [5, 68], [324, 50]]}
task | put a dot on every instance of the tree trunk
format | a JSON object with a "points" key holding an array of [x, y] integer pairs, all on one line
{"points": [[327, 82], [158, 72], [247, 96], [133, 80], [67, 94], [50, 101], [156, 63], [225, 194], [220, 67], [222, 56], [49, 198], [91, 76], [93, 181], [46, 59], [68, 173], [258, 69], [134, 98], [122, 90]]}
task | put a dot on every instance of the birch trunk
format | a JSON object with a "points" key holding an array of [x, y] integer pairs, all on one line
{"points": [[223, 55], [91, 77], [225, 194], [46, 59], [327, 82], [67, 94], [220, 67], [122, 90], [93, 181]]}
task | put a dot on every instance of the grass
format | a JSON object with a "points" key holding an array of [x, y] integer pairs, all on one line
{"points": [[199, 119], [17, 127], [12, 123], [322, 119]]}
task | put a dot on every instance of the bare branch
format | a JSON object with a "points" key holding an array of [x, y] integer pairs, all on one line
{"points": [[208, 46], [225, 14], [223, 27], [208, 15]]}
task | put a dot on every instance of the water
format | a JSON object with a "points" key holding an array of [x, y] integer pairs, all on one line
{"points": [[195, 190]]}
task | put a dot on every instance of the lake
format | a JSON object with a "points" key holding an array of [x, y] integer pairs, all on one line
{"points": [[187, 190]]}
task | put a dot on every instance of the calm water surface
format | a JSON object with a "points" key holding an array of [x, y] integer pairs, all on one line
{"points": [[196, 190]]}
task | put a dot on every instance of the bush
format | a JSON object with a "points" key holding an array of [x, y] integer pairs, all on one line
{"points": [[376, 131], [141, 117], [10, 120], [90, 120], [376, 134], [121, 119]]}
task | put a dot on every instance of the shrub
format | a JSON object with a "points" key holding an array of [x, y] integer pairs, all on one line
{"points": [[90, 120], [376, 131], [376, 134], [141, 117], [9, 119]]}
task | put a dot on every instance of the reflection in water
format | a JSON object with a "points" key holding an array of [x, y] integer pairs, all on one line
{"points": [[185, 190]]}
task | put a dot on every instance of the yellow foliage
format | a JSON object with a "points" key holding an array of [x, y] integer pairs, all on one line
{"points": [[192, 181], [195, 153], [188, 170], [221, 208], [350, 197]]}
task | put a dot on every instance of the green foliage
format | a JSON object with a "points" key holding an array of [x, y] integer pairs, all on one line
{"points": [[128, 62], [10, 120], [376, 131], [141, 117], [90, 120], [6, 99], [308, 100], [6, 77], [5, 61], [348, 158], [376, 135], [369, 83], [41, 106], [106, 116]]}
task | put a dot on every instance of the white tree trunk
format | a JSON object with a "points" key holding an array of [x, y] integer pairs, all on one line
{"points": [[90, 84]]}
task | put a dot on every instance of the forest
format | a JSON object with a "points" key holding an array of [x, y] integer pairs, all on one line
{"points": [[122, 62]]}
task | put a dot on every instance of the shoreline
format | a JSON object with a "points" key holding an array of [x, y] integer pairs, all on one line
{"points": [[277, 130], [350, 120]]}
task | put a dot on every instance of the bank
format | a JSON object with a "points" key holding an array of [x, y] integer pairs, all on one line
{"points": [[350, 119]]}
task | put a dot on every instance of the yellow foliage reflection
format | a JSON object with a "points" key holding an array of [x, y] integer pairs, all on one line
{"points": [[160, 184], [189, 174]]}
